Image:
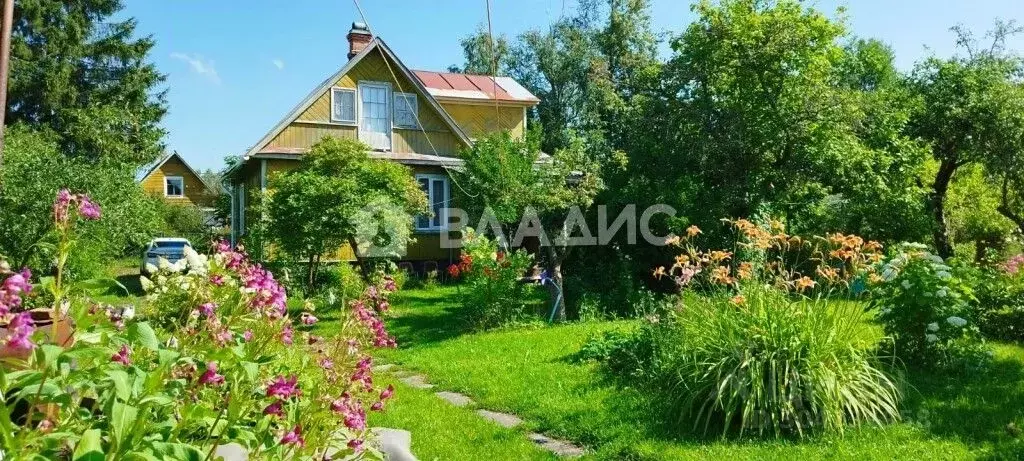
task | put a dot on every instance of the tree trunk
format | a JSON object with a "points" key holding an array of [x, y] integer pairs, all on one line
{"points": [[363, 270], [1004, 207], [310, 272], [940, 187], [555, 285]]}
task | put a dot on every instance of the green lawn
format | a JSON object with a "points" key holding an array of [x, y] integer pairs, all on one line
{"points": [[530, 372]]}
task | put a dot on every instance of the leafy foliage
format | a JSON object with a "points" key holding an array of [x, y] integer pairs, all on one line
{"points": [[79, 73], [493, 294], [927, 311], [315, 209]]}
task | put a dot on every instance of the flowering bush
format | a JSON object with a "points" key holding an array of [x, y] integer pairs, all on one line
{"points": [[493, 294], [762, 349], [225, 365], [926, 310], [999, 289]]}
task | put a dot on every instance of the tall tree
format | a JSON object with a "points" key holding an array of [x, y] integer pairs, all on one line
{"points": [[81, 74], [969, 114], [483, 54]]}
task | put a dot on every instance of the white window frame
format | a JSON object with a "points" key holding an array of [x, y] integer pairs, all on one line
{"points": [[413, 107], [355, 108], [180, 179], [431, 177], [389, 100]]}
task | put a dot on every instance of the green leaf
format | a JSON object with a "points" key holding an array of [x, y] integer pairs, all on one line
{"points": [[101, 285], [121, 420], [90, 447], [48, 354], [167, 356], [122, 383], [252, 370], [158, 400], [144, 335]]}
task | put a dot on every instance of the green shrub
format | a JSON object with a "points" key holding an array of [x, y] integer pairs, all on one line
{"points": [[927, 311], [999, 289], [775, 365], [493, 294]]}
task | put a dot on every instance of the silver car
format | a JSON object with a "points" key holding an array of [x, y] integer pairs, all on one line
{"points": [[170, 248]]}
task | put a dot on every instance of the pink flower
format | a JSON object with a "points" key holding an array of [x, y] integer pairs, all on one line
{"points": [[284, 388], [61, 205], [21, 327], [389, 284], [286, 334], [274, 409], [217, 280], [352, 413], [377, 406], [363, 373], [123, 356], [207, 309], [308, 319], [13, 287], [293, 437], [387, 393], [326, 363], [88, 209], [356, 445], [210, 376], [247, 336]]}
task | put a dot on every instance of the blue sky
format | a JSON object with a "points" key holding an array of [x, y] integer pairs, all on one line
{"points": [[235, 68]]}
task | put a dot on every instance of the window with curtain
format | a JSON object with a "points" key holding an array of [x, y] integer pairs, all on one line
{"points": [[405, 110], [343, 105], [435, 187]]}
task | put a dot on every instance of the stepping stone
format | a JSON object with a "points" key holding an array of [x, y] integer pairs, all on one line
{"points": [[455, 398], [383, 368], [417, 381], [559, 447], [503, 419]]}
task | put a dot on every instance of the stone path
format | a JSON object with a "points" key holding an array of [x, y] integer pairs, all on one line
{"points": [[562, 448]]}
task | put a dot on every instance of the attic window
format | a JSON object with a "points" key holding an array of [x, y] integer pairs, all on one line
{"points": [[343, 105], [174, 186], [405, 110]]}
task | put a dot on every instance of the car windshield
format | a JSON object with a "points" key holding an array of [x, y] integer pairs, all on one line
{"points": [[170, 245]]}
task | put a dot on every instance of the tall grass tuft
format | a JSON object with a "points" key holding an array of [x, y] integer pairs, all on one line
{"points": [[777, 365]]}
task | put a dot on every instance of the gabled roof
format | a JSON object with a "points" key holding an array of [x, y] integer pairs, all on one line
{"points": [[375, 45], [146, 171], [451, 86]]}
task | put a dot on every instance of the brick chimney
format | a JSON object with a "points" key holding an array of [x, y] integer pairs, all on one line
{"points": [[358, 38]]}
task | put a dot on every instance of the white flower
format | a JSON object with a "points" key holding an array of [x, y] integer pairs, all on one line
{"points": [[179, 266], [956, 321], [906, 284], [934, 326], [931, 338], [150, 268], [943, 275], [163, 263], [128, 312], [146, 283]]}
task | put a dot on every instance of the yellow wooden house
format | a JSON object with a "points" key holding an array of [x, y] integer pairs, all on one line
{"points": [[175, 182], [421, 119]]}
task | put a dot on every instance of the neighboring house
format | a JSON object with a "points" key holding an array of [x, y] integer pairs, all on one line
{"points": [[417, 118], [172, 179]]}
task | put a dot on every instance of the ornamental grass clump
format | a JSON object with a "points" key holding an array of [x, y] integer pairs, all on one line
{"points": [[765, 347]]}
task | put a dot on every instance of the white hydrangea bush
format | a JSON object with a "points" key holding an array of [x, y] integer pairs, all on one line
{"points": [[926, 309]]}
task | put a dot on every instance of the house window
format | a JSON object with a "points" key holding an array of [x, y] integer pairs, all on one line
{"points": [[435, 187], [174, 186], [405, 110], [375, 115], [343, 105]]}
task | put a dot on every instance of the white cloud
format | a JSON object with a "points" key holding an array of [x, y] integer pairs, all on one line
{"points": [[278, 63], [199, 65]]}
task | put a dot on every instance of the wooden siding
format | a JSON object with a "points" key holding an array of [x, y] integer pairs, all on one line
{"points": [[195, 190], [478, 120], [315, 122]]}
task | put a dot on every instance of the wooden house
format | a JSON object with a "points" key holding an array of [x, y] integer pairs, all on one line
{"points": [[421, 119]]}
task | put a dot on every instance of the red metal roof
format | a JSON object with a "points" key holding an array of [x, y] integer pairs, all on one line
{"points": [[479, 87]]}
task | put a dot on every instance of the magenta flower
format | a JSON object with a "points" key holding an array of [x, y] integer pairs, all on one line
{"points": [[61, 205], [275, 409], [210, 377], [377, 406], [21, 327], [389, 284], [217, 280], [88, 209], [207, 309], [123, 356], [356, 445], [308, 319], [286, 334], [284, 388], [247, 335], [13, 287], [293, 437], [387, 393]]}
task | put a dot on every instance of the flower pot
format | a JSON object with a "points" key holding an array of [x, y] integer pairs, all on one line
{"points": [[57, 331]]}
